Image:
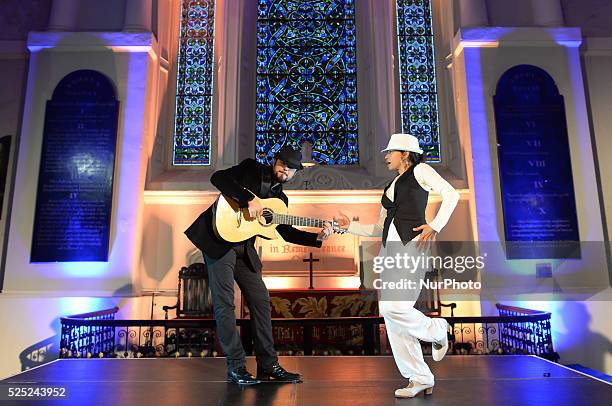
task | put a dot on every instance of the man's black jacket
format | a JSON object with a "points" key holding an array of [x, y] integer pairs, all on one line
{"points": [[233, 183]]}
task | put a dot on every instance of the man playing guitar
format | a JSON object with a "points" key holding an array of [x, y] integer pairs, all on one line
{"points": [[245, 184]]}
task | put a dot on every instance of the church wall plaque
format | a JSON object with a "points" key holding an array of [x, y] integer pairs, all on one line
{"points": [[538, 201], [336, 257], [75, 182]]}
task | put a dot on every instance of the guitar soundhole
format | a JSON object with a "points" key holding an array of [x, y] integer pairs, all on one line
{"points": [[266, 217]]}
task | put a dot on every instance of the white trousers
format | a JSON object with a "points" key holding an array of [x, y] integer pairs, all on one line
{"points": [[405, 327]]}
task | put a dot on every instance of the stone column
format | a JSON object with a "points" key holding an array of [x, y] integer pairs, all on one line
{"points": [[547, 13], [473, 13], [64, 15], [137, 15]]}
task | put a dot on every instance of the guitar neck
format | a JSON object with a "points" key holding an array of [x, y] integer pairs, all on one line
{"points": [[297, 221]]}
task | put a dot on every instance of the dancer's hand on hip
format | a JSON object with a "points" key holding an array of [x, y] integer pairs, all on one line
{"points": [[428, 235]]}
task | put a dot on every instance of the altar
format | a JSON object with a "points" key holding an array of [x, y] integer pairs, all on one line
{"points": [[328, 339]]}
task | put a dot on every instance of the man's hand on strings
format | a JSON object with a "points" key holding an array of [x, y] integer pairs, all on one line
{"points": [[325, 232], [255, 207]]}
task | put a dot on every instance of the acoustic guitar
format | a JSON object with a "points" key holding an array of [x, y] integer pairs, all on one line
{"points": [[234, 224]]}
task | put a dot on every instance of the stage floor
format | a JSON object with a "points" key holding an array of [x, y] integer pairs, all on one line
{"points": [[460, 380]]}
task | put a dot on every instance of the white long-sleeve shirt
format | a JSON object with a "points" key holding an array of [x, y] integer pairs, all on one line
{"points": [[429, 180]]}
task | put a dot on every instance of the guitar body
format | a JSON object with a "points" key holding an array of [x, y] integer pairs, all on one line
{"points": [[234, 224]]}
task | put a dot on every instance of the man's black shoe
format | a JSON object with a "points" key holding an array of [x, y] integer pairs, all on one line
{"points": [[241, 376], [277, 373]]}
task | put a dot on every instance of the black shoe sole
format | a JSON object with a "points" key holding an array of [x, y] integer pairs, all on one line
{"points": [[244, 383], [268, 379]]}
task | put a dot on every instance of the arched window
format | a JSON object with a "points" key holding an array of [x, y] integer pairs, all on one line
{"points": [[417, 75], [307, 79], [193, 120]]}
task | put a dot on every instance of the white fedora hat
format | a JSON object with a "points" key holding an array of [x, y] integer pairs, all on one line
{"points": [[403, 142]]}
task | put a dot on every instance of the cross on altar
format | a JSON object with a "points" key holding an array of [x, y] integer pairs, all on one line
{"points": [[310, 260]]}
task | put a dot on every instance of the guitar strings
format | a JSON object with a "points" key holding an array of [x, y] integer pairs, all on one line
{"points": [[288, 219]]}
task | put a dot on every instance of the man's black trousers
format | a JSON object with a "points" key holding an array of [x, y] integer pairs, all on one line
{"points": [[221, 275]]}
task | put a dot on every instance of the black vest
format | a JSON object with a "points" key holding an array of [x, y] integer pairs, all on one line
{"points": [[407, 210]]}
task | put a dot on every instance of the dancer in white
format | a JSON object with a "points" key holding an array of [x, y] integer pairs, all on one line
{"points": [[402, 218]]}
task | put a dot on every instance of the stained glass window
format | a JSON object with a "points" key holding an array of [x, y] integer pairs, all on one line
{"points": [[192, 131], [307, 79], [418, 98]]}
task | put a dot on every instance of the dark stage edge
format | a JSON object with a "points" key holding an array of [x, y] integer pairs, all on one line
{"points": [[333, 380]]}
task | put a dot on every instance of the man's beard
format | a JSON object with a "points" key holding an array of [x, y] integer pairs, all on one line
{"points": [[279, 180]]}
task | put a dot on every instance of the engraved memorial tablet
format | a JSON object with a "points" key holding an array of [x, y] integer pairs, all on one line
{"points": [[535, 170], [75, 183]]}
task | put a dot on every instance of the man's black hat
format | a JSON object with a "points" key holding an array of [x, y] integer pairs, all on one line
{"points": [[290, 156]]}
